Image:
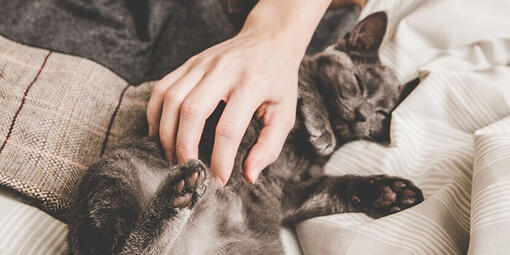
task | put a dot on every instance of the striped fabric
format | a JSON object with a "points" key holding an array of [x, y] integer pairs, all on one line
{"points": [[25, 229], [490, 214], [451, 136]]}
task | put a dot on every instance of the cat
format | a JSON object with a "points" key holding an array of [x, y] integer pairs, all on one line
{"points": [[132, 201]]}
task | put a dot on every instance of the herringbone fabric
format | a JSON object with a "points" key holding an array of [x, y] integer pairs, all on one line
{"points": [[56, 114]]}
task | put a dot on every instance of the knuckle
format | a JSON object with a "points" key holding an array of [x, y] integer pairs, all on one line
{"points": [[159, 89], [173, 97], [190, 61], [250, 84], [227, 129], [224, 61], [251, 75], [221, 60], [190, 109]]}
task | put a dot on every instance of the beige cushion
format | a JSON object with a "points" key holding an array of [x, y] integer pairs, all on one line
{"points": [[57, 114]]}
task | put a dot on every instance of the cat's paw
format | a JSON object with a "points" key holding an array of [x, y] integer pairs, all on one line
{"points": [[382, 195], [189, 183]]}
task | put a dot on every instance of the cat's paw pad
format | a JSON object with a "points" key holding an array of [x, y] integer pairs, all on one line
{"points": [[382, 195], [189, 184]]}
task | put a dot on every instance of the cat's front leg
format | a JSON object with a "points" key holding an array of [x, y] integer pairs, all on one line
{"points": [[381, 195], [376, 196], [169, 210]]}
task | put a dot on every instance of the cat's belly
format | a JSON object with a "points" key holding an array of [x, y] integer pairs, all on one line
{"points": [[217, 226], [150, 178]]}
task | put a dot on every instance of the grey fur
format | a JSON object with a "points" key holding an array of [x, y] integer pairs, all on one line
{"points": [[134, 202]]}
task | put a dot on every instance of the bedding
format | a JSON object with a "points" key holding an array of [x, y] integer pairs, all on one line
{"points": [[28, 230], [451, 136]]}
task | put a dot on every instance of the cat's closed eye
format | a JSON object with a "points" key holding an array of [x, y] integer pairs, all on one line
{"points": [[383, 113]]}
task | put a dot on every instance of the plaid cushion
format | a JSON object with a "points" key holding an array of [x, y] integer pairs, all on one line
{"points": [[58, 113]]}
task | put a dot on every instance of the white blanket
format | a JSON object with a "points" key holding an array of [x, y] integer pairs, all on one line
{"points": [[25, 229], [462, 50]]}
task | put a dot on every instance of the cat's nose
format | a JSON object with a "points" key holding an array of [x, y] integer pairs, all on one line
{"points": [[362, 112], [359, 115]]}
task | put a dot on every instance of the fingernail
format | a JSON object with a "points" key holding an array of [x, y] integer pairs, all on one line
{"points": [[218, 181], [223, 180], [254, 175]]}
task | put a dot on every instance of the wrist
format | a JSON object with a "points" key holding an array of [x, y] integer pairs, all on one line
{"points": [[286, 24], [273, 44]]}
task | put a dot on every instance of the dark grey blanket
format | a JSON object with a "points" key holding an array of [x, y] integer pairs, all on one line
{"points": [[140, 40]]}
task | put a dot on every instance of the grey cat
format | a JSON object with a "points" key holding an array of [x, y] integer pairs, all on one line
{"points": [[132, 201]]}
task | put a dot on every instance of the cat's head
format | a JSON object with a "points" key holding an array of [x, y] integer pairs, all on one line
{"points": [[359, 92]]}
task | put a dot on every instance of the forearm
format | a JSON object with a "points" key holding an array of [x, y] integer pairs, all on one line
{"points": [[289, 23]]}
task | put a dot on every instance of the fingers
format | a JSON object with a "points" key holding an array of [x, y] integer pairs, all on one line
{"points": [[194, 111], [230, 129], [183, 100], [154, 107], [173, 99], [270, 142]]}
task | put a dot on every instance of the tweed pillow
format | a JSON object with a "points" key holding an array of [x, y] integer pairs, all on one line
{"points": [[58, 113]]}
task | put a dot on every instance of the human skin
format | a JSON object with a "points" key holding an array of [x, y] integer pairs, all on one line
{"points": [[255, 72]]}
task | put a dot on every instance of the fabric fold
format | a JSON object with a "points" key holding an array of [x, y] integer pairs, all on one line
{"points": [[490, 207], [438, 136]]}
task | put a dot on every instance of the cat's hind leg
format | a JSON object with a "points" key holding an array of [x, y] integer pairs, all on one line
{"points": [[108, 204], [376, 196], [169, 210]]}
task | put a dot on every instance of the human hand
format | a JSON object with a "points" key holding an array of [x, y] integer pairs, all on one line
{"points": [[251, 74], [255, 71]]}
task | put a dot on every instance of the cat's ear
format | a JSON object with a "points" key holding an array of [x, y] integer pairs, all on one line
{"points": [[367, 35], [407, 89]]}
